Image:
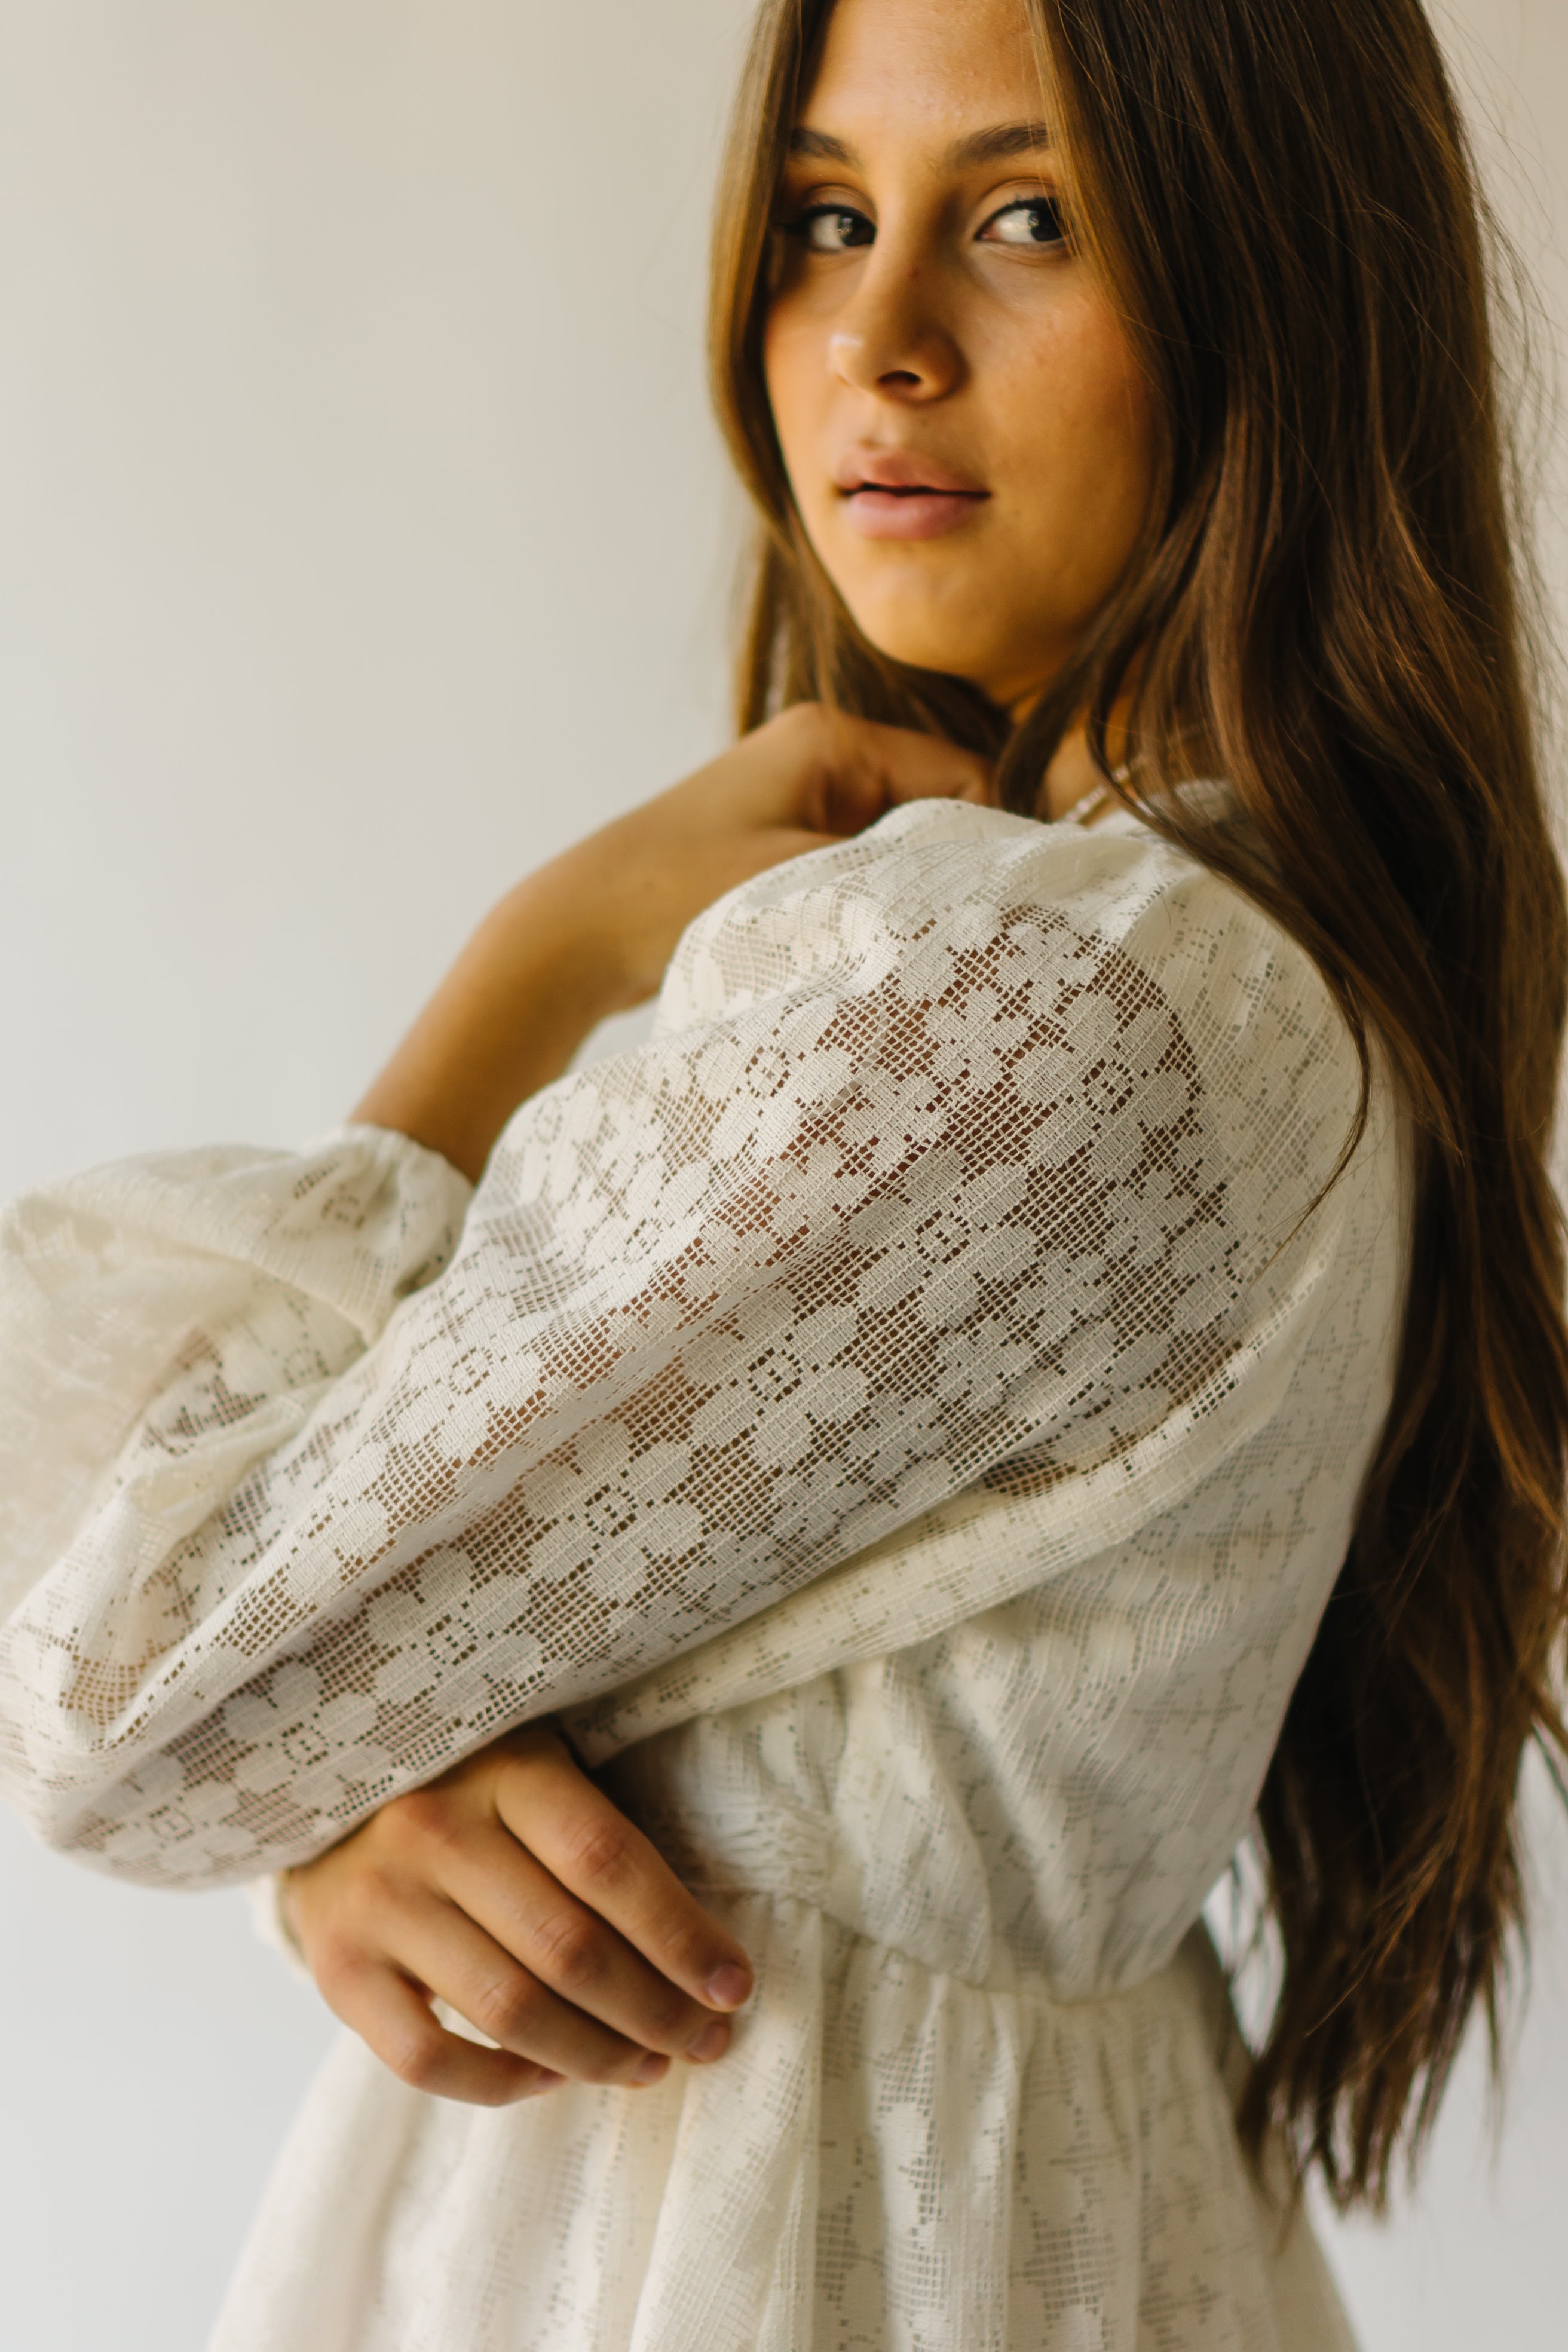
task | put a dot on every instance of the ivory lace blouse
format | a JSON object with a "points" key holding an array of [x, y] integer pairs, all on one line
{"points": [[906, 1421]]}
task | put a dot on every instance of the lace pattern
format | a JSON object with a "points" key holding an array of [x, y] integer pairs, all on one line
{"points": [[962, 1157], [908, 1417]]}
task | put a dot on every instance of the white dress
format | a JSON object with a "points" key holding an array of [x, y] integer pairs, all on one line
{"points": [[906, 1421]]}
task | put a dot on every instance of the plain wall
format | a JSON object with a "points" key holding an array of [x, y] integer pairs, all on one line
{"points": [[363, 538]]}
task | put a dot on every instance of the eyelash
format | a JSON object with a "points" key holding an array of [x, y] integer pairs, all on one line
{"points": [[800, 226]]}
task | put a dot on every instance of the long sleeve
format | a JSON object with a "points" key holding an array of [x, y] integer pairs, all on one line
{"points": [[961, 1146]]}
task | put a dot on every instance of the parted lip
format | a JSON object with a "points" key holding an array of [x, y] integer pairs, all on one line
{"points": [[865, 468]]}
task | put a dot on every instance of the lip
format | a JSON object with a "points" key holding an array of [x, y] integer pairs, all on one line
{"points": [[902, 494]]}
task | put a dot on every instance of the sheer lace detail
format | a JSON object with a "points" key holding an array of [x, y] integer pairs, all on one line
{"points": [[960, 1161]]}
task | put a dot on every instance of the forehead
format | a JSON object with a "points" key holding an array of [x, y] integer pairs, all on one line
{"points": [[927, 68]]}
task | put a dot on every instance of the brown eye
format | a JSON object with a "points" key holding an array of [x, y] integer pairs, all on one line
{"points": [[1033, 222], [833, 228]]}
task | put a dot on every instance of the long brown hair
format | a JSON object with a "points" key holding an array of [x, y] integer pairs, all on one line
{"points": [[1282, 203]]}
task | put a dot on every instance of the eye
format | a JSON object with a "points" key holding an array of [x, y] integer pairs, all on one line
{"points": [[1030, 223], [832, 228]]}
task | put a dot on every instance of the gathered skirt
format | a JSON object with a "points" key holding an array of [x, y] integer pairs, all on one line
{"points": [[886, 2158]]}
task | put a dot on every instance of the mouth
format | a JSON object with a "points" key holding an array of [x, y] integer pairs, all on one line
{"points": [[892, 494]]}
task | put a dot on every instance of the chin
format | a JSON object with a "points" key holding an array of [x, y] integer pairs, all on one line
{"points": [[920, 641], [1009, 674], [908, 622]]}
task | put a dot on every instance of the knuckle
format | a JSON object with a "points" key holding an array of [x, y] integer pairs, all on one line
{"points": [[358, 1922], [506, 2007], [336, 1963], [372, 1892], [669, 2017], [570, 1945], [689, 1948], [600, 1849], [416, 2057], [419, 1817]]}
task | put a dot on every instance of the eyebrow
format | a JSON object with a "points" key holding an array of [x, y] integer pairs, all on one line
{"points": [[992, 146]]}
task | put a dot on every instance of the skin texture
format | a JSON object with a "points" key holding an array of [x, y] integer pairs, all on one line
{"points": [[538, 1911], [939, 336], [928, 311], [591, 933]]}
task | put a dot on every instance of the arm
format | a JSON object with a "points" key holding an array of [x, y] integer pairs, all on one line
{"points": [[925, 1176], [208, 1313], [511, 1889], [591, 933]]}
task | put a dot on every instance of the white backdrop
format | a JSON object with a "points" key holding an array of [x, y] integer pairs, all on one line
{"points": [[362, 540]]}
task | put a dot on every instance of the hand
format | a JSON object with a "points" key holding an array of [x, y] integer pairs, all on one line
{"points": [[809, 778], [515, 1892], [592, 932]]}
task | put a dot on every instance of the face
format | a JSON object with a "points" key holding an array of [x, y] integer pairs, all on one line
{"points": [[967, 434]]}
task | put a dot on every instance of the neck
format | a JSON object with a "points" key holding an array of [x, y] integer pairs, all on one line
{"points": [[1073, 774]]}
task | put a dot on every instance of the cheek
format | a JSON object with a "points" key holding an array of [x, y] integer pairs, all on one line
{"points": [[792, 371], [1080, 416]]}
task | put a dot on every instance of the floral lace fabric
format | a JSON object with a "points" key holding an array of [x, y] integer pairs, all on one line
{"points": [[954, 1266]]}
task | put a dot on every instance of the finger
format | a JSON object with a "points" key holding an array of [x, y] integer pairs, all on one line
{"points": [[569, 1948], [442, 1948], [605, 1860], [393, 2017], [822, 769], [898, 765]]}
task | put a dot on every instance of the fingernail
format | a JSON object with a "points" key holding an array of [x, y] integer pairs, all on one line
{"points": [[728, 1987], [545, 2080], [650, 2069], [711, 2042]]}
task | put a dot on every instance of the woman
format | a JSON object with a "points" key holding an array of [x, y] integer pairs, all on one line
{"points": [[1055, 1348]]}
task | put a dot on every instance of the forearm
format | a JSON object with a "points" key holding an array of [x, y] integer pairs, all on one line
{"points": [[357, 1581], [506, 1021], [592, 932]]}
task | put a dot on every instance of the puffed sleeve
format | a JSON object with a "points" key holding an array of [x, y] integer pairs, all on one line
{"points": [[960, 1146]]}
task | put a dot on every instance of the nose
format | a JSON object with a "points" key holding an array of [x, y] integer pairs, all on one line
{"points": [[891, 340]]}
